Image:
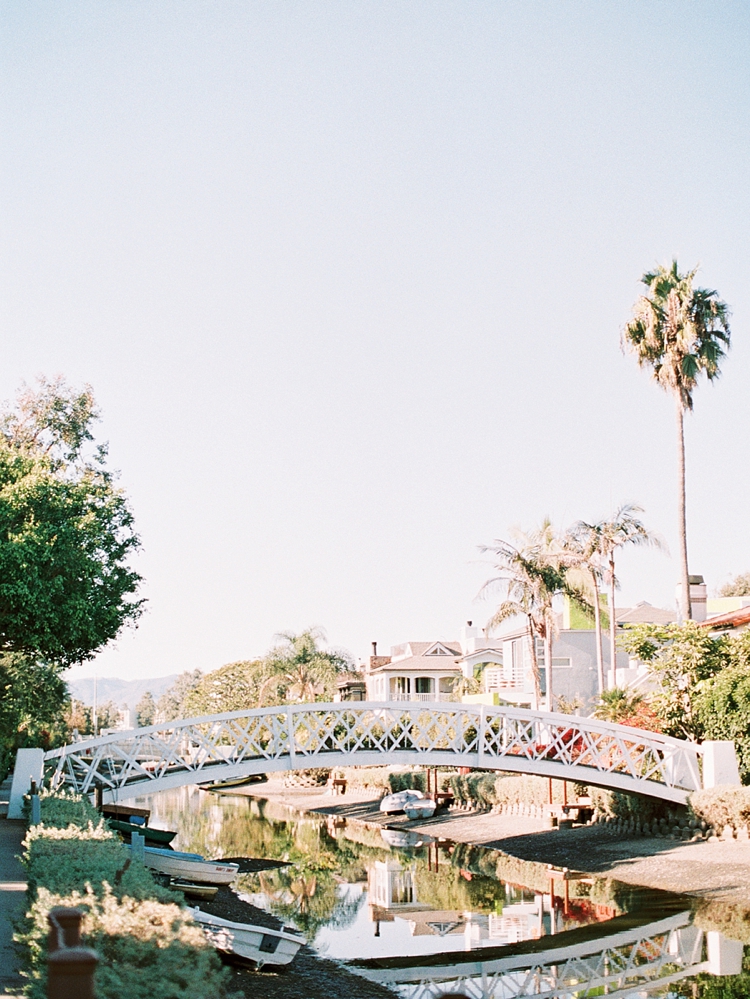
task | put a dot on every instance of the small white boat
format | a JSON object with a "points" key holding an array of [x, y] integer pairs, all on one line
{"points": [[189, 866], [420, 808], [254, 943], [393, 803], [404, 839]]}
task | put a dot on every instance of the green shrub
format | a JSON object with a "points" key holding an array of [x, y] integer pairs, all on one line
{"points": [[147, 950], [722, 806], [620, 805], [63, 860], [64, 808], [149, 947]]}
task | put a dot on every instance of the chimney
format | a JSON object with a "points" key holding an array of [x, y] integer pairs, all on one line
{"points": [[374, 648]]}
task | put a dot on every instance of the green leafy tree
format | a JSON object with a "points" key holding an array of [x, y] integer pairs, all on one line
{"points": [[32, 697], [679, 332], [737, 587], [66, 533], [234, 687], [681, 658], [298, 669], [145, 710], [172, 703]]}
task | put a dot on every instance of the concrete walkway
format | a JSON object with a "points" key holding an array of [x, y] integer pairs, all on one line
{"points": [[12, 898]]}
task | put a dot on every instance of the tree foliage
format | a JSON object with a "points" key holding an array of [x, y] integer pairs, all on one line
{"points": [[172, 703], [297, 668], [234, 687], [679, 332], [66, 532], [145, 710], [737, 587], [681, 658]]}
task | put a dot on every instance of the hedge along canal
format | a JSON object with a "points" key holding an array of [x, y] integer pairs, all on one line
{"points": [[383, 902]]}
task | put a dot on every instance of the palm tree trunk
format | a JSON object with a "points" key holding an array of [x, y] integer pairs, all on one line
{"points": [[548, 666], [534, 666], [685, 608], [612, 623], [598, 627]]}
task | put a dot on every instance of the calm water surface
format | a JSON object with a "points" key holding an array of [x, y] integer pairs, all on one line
{"points": [[426, 917]]}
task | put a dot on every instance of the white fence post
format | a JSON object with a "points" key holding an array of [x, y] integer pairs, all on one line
{"points": [[29, 766], [720, 764]]}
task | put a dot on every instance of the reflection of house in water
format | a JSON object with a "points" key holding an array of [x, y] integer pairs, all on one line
{"points": [[525, 915]]}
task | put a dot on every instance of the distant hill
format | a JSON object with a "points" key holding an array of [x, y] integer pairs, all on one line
{"points": [[120, 691]]}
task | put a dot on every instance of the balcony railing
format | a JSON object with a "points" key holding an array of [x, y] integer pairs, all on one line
{"points": [[425, 698]]}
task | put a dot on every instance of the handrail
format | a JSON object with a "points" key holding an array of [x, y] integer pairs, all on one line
{"points": [[299, 736]]}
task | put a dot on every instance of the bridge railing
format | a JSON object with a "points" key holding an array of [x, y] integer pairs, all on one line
{"points": [[311, 735]]}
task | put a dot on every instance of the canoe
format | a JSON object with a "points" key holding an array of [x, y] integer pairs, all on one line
{"points": [[192, 890], [254, 943], [155, 835], [190, 866], [393, 803]]}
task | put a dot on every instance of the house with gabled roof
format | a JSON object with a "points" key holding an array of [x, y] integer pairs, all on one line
{"points": [[414, 671]]}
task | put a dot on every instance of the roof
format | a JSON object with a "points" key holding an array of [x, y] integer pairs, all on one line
{"points": [[733, 619], [422, 648], [645, 613], [425, 656]]}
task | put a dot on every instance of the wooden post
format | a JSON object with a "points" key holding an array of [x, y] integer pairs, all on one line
{"points": [[64, 928], [36, 810], [99, 797], [70, 973]]}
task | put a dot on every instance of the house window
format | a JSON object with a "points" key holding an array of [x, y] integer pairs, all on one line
{"points": [[423, 685], [562, 663]]}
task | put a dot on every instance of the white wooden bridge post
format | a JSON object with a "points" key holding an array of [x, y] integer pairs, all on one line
{"points": [[720, 764], [290, 733]]}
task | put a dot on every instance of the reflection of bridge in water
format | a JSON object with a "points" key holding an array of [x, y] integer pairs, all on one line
{"points": [[633, 962], [296, 737]]}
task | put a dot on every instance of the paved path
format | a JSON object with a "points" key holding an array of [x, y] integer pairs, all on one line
{"points": [[12, 894]]}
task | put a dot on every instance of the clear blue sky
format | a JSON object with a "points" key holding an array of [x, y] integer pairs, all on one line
{"points": [[348, 280]]}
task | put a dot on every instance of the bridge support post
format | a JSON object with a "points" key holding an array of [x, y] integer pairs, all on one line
{"points": [[290, 733], [720, 764]]}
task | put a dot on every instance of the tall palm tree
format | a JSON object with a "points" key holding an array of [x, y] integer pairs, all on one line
{"points": [[530, 577], [623, 528], [679, 332], [583, 554]]}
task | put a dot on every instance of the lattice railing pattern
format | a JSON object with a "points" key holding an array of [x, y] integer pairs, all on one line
{"points": [[650, 959], [301, 736]]}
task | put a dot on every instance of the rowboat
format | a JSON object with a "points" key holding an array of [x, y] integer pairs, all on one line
{"points": [[226, 785], [420, 808], [404, 839], [126, 812], [190, 866], [254, 943], [397, 802], [155, 835], [193, 890]]}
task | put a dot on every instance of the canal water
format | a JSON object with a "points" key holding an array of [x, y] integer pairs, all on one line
{"points": [[425, 917]]}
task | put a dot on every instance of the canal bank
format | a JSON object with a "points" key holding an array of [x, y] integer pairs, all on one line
{"points": [[718, 871]]}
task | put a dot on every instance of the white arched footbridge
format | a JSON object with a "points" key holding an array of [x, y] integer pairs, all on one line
{"points": [[299, 737]]}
